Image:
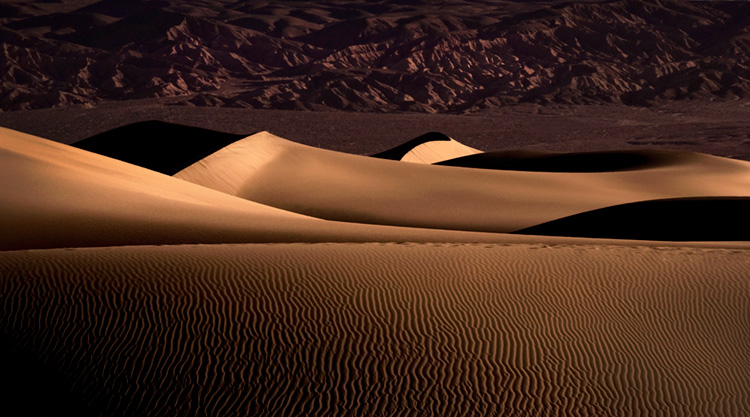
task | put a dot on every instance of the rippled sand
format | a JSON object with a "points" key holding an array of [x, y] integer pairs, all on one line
{"points": [[387, 329]]}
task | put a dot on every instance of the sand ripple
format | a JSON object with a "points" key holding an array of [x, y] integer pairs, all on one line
{"points": [[387, 329]]}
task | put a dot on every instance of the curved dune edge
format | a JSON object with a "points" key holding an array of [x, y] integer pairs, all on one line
{"points": [[335, 186], [55, 195], [432, 152], [408, 329], [578, 162], [685, 219], [428, 149]]}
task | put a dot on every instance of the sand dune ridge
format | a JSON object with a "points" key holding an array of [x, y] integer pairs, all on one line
{"points": [[429, 148], [335, 186], [55, 195]]}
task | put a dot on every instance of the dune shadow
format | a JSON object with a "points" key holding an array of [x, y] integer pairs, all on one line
{"points": [[159, 146], [540, 161], [678, 220], [400, 151]]}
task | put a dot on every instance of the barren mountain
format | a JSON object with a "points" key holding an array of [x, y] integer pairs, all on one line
{"points": [[410, 55]]}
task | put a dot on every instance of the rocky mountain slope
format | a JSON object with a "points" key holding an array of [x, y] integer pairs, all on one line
{"points": [[410, 55]]}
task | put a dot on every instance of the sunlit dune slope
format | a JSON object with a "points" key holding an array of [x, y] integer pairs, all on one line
{"points": [[270, 170], [54, 195], [428, 149], [383, 329]]}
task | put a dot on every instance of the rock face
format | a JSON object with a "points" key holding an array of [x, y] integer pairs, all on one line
{"points": [[408, 55]]}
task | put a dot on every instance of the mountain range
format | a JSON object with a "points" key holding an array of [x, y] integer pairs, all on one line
{"points": [[413, 55]]}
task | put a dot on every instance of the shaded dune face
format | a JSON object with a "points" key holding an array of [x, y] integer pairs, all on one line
{"points": [[687, 219], [159, 146], [400, 151], [337, 329], [540, 161]]}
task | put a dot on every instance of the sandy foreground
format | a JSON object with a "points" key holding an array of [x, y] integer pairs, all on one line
{"points": [[386, 329], [223, 292]]}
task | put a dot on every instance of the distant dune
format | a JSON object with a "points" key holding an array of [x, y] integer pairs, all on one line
{"points": [[428, 149], [52, 189], [335, 186], [55, 195], [419, 56]]}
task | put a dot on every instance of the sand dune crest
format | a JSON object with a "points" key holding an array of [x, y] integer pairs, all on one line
{"points": [[428, 149]]}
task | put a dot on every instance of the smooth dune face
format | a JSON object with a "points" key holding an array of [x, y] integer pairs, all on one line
{"points": [[55, 195], [437, 151], [330, 185], [333, 329]]}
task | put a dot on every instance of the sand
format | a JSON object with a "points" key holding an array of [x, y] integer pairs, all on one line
{"points": [[428, 149], [331, 185], [431, 152], [127, 292], [386, 329], [55, 195]]}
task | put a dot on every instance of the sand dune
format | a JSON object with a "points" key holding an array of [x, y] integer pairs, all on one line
{"points": [[431, 152], [330, 185], [55, 195], [373, 329], [159, 146], [428, 149]]}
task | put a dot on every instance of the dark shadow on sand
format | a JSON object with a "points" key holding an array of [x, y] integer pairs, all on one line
{"points": [[159, 146], [539, 161], [678, 220], [401, 150]]}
